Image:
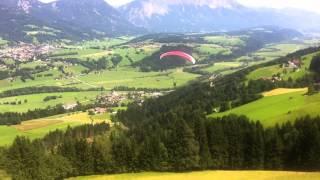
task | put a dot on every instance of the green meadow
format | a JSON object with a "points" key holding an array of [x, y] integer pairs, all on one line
{"points": [[225, 40], [9, 133], [123, 76], [279, 108], [223, 66], [3, 42], [38, 128], [132, 78], [36, 101], [286, 73], [274, 51], [4, 176], [211, 49]]}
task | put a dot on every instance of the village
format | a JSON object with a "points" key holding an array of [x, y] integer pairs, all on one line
{"points": [[24, 52], [110, 102], [291, 66]]}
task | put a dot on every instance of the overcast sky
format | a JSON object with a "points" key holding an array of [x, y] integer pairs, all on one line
{"points": [[311, 5], [112, 2]]}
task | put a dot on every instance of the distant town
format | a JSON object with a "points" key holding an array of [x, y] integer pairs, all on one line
{"points": [[25, 52]]}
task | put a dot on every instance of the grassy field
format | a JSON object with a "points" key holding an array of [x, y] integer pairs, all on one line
{"points": [[274, 51], [225, 40], [281, 91], [271, 52], [267, 72], [3, 42], [4, 176], [132, 78], [99, 48], [129, 54], [206, 175], [123, 76], [36, 101], [278, 108], [105, 43], [209, 49], [40, 127], [222, 66]]}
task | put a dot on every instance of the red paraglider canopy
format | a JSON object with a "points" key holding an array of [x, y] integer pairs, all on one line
{"points": [[179, 54]]}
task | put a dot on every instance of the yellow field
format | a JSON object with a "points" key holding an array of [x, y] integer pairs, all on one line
{"points": [[280, 91], [210, 175], [40, 127], [81, 118], [4, 175], [35, 124]]}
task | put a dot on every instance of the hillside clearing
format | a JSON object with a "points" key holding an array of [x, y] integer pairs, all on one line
{"points": [[275, 109], [4, 175], [285, 73], [280, 91], [36, 101], [40, 127], [35, 124], [223, 66], [206, 175]]}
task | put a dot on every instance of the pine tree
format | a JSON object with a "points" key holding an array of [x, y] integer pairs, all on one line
{"points": [[201, 137], [217, 143], [84, 159], [25, 160], [186, 149], [273, 150]]}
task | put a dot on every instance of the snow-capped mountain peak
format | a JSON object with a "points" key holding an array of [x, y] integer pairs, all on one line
{"points": [[148, 8]]}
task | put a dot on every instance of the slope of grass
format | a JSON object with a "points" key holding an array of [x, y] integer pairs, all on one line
{"points": [[40, 127], [209, 49], [36, 101], [4, 175], [209, 175], [222, 66], [286, 73], [279, 108], [274, 51], [280, 91], [123, 76], [133, 78], [225, 40], [3, 42]]}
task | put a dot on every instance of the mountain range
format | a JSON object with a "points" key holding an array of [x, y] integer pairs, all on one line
{"points": [[27, 20], [212, 15], [22, 20]]}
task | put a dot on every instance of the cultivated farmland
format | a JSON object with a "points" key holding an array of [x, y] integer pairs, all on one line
{"points": [[40, 127]]}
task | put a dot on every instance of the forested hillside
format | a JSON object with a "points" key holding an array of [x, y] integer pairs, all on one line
{"points": [[173, 133]]}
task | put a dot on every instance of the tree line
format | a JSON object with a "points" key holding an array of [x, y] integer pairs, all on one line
{"points": [[232, 142], [14, 118], [43, 89], [26, 159]]}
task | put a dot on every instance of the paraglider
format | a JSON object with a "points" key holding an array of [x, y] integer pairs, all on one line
{"points": [[180, 54]]}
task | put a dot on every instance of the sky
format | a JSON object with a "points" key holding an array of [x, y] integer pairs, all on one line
{"points": [[310, 5], [112, 2]]}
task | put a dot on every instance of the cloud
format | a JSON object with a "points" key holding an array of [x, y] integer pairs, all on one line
{"points": [[310, 5], [115, 3]]}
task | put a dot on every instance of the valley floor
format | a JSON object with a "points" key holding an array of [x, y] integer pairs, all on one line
{"points": [[219, 175]]}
